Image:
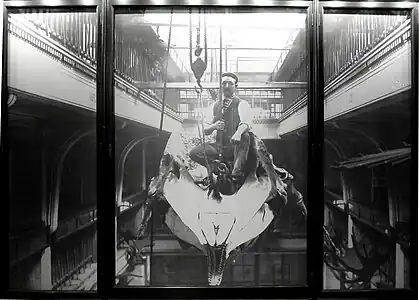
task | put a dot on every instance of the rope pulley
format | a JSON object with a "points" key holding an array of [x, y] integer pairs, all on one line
{"points": [[199, 66]]}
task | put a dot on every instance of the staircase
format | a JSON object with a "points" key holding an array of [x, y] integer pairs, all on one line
{"points": [[123, 273], [84, 280]]}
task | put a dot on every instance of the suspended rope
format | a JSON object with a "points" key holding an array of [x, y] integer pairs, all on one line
{"points": [[165, 72], [148, 212], [220, 92], [191, 64], [198, 68], [166, 75]]}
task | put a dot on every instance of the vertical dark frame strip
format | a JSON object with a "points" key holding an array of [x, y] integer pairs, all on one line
{"points": [[415, 97], [106, 206], [315, 153], [385, 7], [8, 7], [5, 153], [208, 293]]}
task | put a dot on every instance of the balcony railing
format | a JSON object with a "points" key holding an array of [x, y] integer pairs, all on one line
{"points": [[74, 46], [258, 115], [353, 38], [175, 56], [75, 31], [392, 40], [74, 248]]}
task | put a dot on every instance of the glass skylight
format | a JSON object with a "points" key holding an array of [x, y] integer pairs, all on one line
{"points": [[252, 42]]}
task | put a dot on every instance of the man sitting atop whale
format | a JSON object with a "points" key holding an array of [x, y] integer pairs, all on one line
{"points": [[234, 139]]}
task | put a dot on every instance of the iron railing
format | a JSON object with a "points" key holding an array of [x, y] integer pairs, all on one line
{"points": [[74, 248], [73, 43], [75, 31], [348, 40], [386, 45], [352, 37]]}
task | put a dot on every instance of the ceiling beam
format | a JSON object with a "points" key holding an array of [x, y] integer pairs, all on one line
{"points": [[238, 26], [264, 100], [236, 48], [216, 85]]}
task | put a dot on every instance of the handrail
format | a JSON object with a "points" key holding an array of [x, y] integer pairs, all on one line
{"points": [[284, 53], [368, 59], [136, 92], [280, 60], [182, 67], [372, 57], [59, 52], [56, 48], [77, 253], [91, 222], [264, 116]]}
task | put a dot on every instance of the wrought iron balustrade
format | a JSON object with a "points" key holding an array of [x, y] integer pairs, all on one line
{"points": [[258, 114], [346, 55], [77, 32], [74, 248], [72, 42], [352, 38]]}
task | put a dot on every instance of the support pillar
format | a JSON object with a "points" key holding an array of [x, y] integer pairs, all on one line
{"points": [[395, 216], [329, 280], [346, 196], [44, 176], [350, 228], [94, 255], [326, 215], [392, 209], [400, 267], [325, 279], [141, 212], [115, 248], [144, 166], [45, 270], [147, 268]]}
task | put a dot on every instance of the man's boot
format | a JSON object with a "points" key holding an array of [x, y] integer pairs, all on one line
{"points": [[241, 152], [206, 181]]}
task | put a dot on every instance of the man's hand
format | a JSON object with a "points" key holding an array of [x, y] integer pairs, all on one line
{"points": [[235, 138], [219, 125]]}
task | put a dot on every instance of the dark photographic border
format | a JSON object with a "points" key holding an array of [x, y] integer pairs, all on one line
{"points": [[105, 127]]}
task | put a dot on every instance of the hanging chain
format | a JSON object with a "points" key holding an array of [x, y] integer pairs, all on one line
{"points": [[198, 68], [190, 37], [220, 91], [198, 49], [205, 40], [200, 91]]}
